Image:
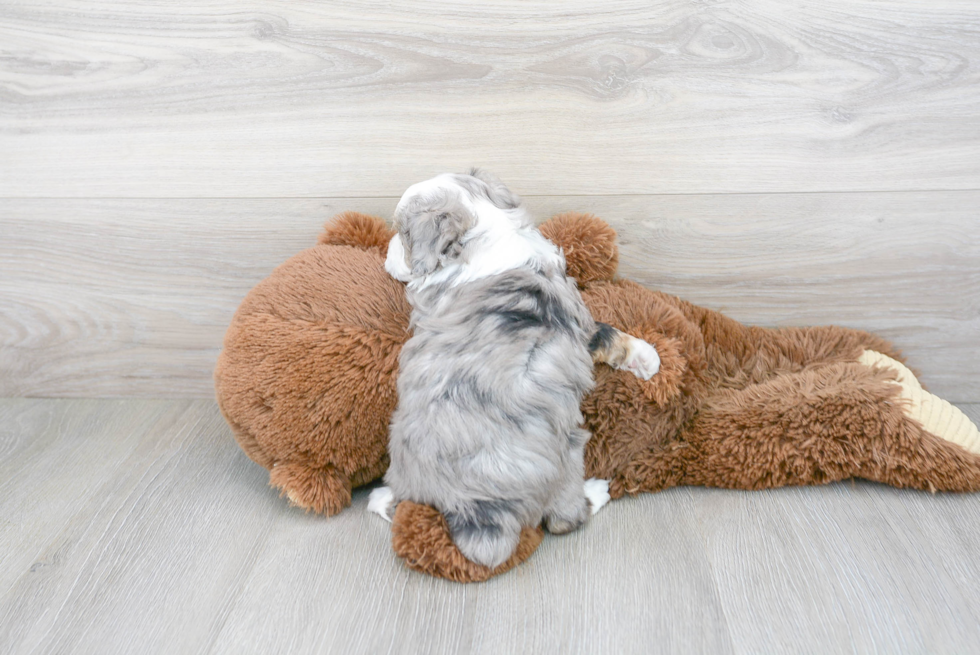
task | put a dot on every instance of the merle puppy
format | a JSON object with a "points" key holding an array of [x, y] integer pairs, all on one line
{"points": [[488, 428]]}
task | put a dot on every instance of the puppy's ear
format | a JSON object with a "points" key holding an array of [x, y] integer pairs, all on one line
{"points": [[498, 192], [435, 235]]}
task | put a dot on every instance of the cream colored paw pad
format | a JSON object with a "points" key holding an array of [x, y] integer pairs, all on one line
{"points": [[935, 414]]}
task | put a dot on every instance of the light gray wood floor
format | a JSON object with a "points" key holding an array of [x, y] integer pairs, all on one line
{"points": [[138, 526]]}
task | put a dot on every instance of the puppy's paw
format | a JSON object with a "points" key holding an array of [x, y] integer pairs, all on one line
{"points": [[641, 360], [568, 512], [380, 502], [567, 521], [597, 493]]}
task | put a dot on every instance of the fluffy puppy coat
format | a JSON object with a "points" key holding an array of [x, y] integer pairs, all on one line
{"points": [[488, 426]]}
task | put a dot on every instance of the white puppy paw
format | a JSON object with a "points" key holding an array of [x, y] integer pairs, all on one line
{"points": [[597, 492], [642, 360], [380, 502]]}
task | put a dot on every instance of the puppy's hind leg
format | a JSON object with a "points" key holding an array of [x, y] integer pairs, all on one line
{"points": [[485, 531], [569, 508]]}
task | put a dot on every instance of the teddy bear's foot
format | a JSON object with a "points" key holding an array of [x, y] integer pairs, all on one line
{"points": [[420, 536], [936, 415], [324, 490]]}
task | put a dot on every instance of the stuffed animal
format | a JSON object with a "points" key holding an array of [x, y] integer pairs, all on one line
{"points": [[307, 382]]}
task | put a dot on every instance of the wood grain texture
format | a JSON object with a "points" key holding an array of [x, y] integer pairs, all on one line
{"points": [[132, 297], [138, 293], [126, 556], [38, 439], [138, 526], [302, 98]]}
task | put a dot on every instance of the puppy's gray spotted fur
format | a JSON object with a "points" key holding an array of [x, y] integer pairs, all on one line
{"points": [[487, 427]]}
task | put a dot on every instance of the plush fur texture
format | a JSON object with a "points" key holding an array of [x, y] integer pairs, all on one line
{"points": [[421, 536], [307, 378], [588, 243], [356, 229], [307, 375]]}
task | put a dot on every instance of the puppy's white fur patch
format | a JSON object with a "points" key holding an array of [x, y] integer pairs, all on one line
{"points": [[395, 262], [643, 360], [380, 502], [597, 492], [501, 240]]}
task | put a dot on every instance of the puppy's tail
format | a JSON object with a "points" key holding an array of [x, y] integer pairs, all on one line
{"points": [[485, 531]]}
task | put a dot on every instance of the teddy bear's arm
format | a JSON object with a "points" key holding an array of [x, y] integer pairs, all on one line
{"points": [[830, 422]]}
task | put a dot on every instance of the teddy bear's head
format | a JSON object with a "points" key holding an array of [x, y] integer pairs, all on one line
{"points": [[307, 376]]}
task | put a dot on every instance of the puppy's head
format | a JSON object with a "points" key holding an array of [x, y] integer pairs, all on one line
{"points": [[436, 219]]}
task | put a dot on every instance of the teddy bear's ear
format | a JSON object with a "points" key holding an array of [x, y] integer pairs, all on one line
{"points": [[358, 230], [589, 245]]}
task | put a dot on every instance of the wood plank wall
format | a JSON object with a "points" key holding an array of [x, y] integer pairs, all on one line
{"points": [[789, 163]]}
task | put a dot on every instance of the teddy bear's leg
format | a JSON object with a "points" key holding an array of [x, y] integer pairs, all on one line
{"points": [[743, 354], [790, 349], [420, 536], [935, 415], [823, 424], [322, 490]]}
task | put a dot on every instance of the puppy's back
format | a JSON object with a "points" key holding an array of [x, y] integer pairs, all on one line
{"points": [[489, 392]]}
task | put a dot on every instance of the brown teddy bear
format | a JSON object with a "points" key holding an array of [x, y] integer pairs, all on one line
{"points": [[307, 382]]}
